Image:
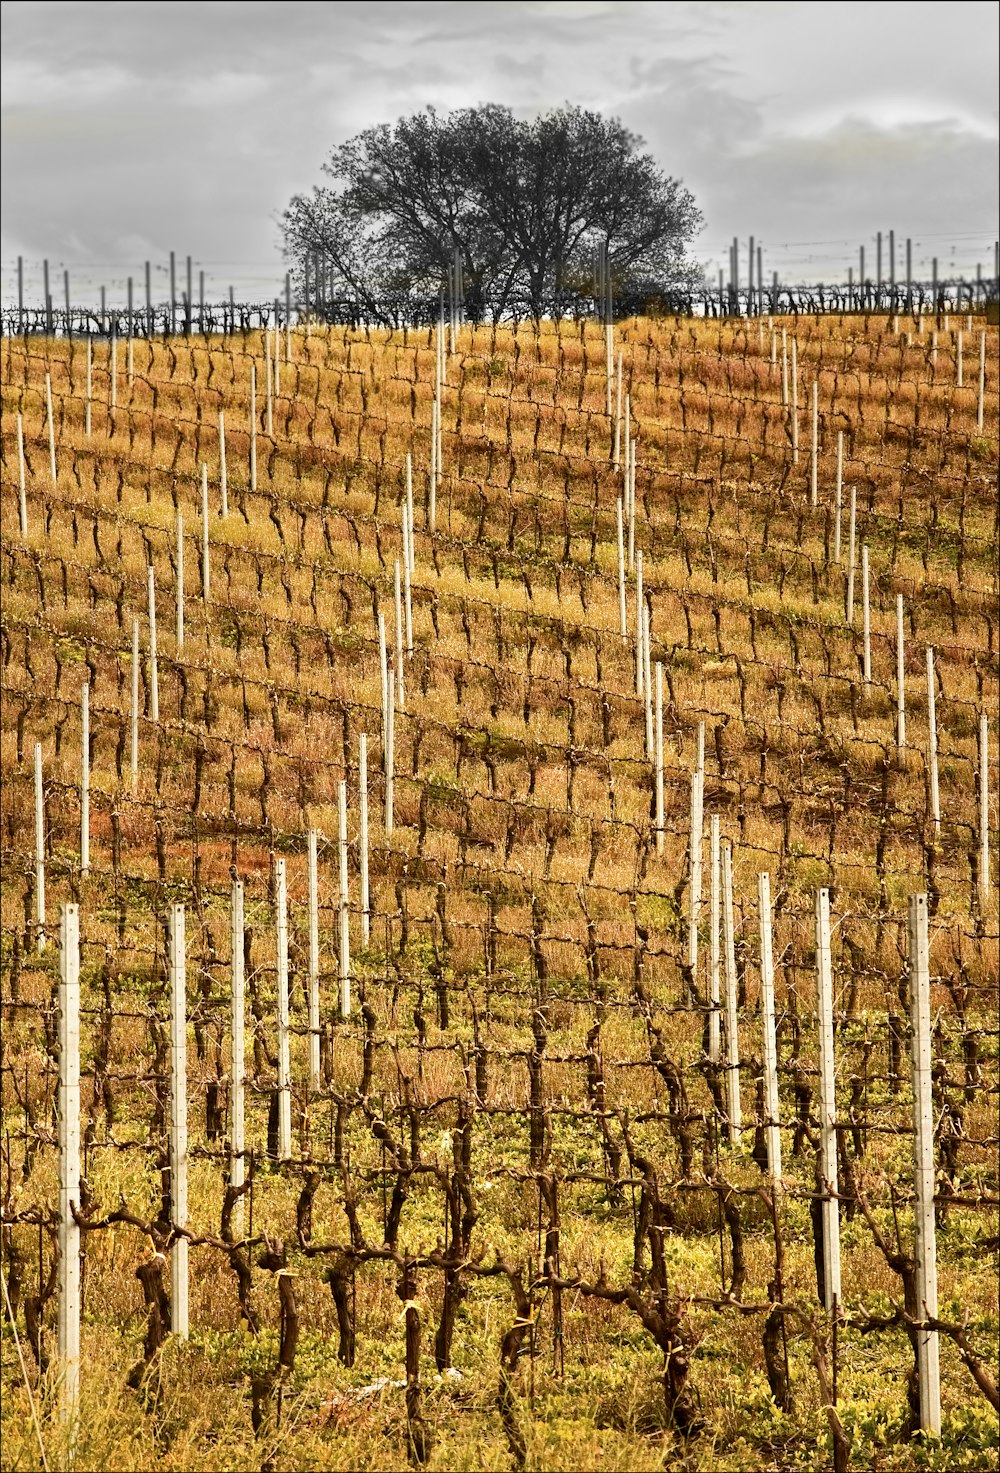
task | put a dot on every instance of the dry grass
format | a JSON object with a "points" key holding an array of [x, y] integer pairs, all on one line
{"points": [[522, 819]]}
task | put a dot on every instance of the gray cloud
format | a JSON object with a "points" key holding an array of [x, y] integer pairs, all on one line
{"points": [[131, 129]]}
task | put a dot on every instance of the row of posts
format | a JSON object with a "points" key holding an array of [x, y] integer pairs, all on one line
{"points": [[181, 308], [789, 379], [647, 678], [648, 687], [866, 292], [393, 697], [69, 1106]]}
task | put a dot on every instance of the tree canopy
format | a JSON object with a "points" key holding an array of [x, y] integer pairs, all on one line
{"points": [[525, 204]]}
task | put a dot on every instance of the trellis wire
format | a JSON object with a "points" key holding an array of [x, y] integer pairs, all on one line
{"points": [[345, 944], [314, 999], [932, 753], [732, 1015], [284, 1122], [84, 778]]}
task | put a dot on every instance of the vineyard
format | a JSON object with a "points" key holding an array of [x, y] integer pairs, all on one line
{"points": [[499, 923]]}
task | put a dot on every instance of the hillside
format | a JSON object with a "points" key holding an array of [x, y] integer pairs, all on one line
{"points": [[514, 1160]]}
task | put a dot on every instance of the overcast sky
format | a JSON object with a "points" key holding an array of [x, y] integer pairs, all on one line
{"points": [[133, 129]]}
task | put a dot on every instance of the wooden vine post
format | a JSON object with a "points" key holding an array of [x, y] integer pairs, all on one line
{"points": [[223, 478], [383, 656], [827, 1106], [85, 778], [178, 1124], [409, 512], [609, 358], [932, 743], [52, 429], [900, 676], [658, 773], [205, 569], [839, 496], [629, 519], [154, 681], [640, 663], [237, 1065], [814, 448], [442, 375], [622, 611], [253, 427], [923, 1163], [69, 1164], [647, 684], [388, 721], [633, 451], [22, 497], [407, 590], [130, 348], [134, 764], [866, 621], [732, 1012], [795, 401], [397, 589], [268, 417], [284, 1062], [984, 810], [277, 358], [432, 485], [179, 598], [852, 540], [771, 1116], [390, 753], [634, 447]]}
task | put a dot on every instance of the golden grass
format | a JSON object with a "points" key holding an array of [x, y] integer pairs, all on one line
{"points": [[520, 775]]}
